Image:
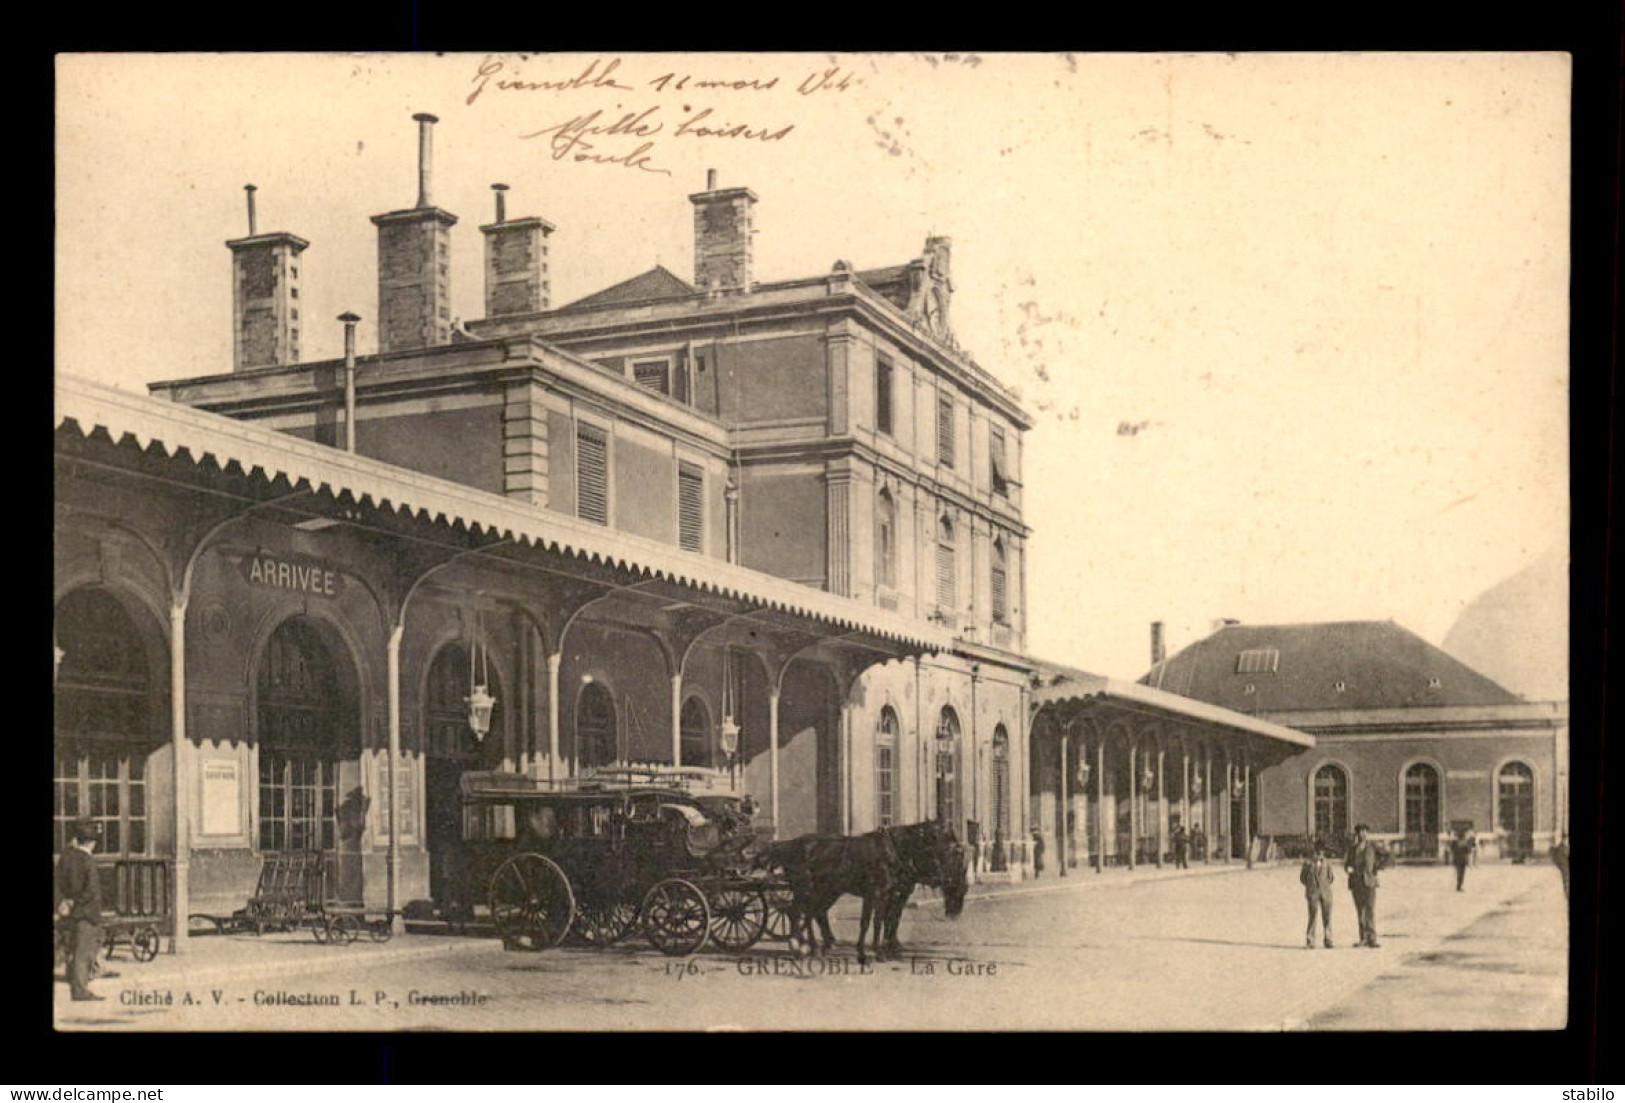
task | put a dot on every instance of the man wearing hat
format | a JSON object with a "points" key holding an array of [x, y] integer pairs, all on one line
{"points": [[79, 904], [1361, 865]]}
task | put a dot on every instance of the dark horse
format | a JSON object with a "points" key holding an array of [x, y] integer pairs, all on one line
{"points": [[882, 867], [927, 854], [822, 868]]}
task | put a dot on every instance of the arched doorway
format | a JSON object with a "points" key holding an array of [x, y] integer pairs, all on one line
{"points": [[1515, 810], [695, 733], [1422, 813], [1331, 805], [104, 723], [947, 770], [307, 725], [450, 748], [999, 779], [597, 736]]}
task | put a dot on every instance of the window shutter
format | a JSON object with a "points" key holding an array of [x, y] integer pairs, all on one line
{"points": [[945, 576], [945, 431], [652, 375], [999, 606], [690, 508], [592, 474]]}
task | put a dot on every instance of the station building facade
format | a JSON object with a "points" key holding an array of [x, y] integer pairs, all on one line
{"points": [[1407, 739], [767, 533]]}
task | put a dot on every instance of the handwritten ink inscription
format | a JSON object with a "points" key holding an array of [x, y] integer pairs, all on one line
{"points": [[630, 136]]}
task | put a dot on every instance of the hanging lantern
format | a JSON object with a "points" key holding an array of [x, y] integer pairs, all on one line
{"points": [[729, 736], [1083, 772], [1239, 789], [480, 702], [1148, 779], [1196, 784]]}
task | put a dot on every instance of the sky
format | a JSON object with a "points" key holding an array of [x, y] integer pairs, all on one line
{"points": [[1292, 328]]}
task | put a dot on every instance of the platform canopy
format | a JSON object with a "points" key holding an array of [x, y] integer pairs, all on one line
{"points": [[114, 434], [1072, 693]]}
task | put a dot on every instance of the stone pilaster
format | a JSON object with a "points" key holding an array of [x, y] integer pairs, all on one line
{"points": [[524, 444]]}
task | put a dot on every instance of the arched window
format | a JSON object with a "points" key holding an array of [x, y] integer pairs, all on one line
{"points": [[1001, 611], [1421, 800], [1331, 795], [947, 771], [596, 737], [694, 731], [1000, 782], [886, 768], [947, 580], [300, 721], [886, 540], [103, 722], [1515, 808]]}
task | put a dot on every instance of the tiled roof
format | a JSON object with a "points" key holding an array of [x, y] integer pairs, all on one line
{"points": [[656, 283], [1341, 665]]}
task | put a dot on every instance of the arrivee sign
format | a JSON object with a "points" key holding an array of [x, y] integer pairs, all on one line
{"points": [[308, 576]]}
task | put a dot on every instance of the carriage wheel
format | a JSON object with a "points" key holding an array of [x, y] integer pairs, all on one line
{"points": [[531, 902], [738, 917], [780, 906], [602, 925], [144, 943], [381, 930], [675, 917], [318, 928], [343, 930]]}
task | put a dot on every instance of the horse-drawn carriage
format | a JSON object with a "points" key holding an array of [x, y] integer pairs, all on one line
{"points": [[603, 860]]}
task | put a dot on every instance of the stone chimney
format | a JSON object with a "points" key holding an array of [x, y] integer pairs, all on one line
{"points": [[1158, 652], [722, 231], [414, 264], [516, 279], [265, 296]]}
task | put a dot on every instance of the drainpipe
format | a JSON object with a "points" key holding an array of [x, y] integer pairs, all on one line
{"points": [[394, 678], [555, 660], [773, 757], [180, 773]]}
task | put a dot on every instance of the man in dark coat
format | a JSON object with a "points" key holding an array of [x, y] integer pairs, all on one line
{"points": [[1461, 854], [79, 904], [1361, 865], [1038, 853], [1181, 842]]}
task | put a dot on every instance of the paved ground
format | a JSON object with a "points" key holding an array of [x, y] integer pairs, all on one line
{"points": [[1197, 951]]}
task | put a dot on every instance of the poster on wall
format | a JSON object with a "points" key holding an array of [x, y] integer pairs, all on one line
{"points": [[220, 811], [405, 806]]}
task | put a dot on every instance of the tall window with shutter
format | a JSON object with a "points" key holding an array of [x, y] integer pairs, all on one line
{"points": [[947, 584], [1001, 480], [592, 474], [1001, 608], [945, 430], [883, 385], [690, 508]]}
